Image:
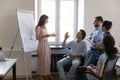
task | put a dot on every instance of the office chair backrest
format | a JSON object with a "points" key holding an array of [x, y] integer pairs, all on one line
{"points": [[109, 72]]}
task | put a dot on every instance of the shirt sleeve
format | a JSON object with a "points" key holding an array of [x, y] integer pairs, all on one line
{"points": [[103, 58], [97, 37], [84, 50], [68, 45], [95, 34]]}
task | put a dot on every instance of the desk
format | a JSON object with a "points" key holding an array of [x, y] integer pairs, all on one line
{"points": [[6, 65]]}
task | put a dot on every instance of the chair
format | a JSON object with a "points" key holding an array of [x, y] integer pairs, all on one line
{"points": [[109, 72]]}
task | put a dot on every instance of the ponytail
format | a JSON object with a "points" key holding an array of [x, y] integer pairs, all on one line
{"points": [[115, 50], [111, 53], [109, 44]]}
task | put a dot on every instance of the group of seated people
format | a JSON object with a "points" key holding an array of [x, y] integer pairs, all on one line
{"points": [[101, 49]]}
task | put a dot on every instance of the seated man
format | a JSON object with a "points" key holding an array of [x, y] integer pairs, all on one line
{"points": [[77, 51]]}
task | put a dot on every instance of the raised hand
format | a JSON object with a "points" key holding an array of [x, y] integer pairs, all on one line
{"points": [[67, 35]]}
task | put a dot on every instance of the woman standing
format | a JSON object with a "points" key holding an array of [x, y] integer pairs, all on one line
{"points": [[43, 50]]}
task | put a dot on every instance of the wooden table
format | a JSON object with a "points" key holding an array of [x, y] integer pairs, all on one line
{"points": [[6, 65]]}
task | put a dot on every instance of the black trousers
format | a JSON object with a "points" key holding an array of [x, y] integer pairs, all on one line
{"points": [[80, 73]]}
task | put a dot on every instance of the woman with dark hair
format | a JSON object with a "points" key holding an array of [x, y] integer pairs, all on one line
{"points": [[109, 44], [110, 53], [43, 50]]}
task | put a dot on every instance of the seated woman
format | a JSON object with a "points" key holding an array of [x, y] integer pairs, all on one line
{"points": [[110, 53]]}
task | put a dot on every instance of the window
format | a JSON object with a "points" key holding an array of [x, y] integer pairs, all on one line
{"points": [[64, 16]]}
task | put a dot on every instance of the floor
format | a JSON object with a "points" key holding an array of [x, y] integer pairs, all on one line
{"points": [[54, 76]]}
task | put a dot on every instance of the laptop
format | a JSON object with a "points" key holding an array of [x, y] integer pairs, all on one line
{"points": [[2, 56]]}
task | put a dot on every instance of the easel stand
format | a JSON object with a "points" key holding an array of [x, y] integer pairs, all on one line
{"points": [[26, 74], [13, 44], [24, 56]]}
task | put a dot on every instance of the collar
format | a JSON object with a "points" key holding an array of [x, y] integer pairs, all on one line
{"points": [[96, 28], [78, 41]]}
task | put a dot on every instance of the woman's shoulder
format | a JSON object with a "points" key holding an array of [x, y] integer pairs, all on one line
{"points": [[103, 57], [38, 27]]}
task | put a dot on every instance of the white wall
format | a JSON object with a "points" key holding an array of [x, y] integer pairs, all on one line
{"points": [[109, 9], [8, 30], [9, 23]]}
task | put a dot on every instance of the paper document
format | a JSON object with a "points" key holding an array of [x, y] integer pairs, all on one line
{"points": [[67, 51], [90, 41], [118, 62]]}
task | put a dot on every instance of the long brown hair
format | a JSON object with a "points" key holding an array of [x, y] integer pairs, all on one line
{"points": [[42, 20], [109, 44]]}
